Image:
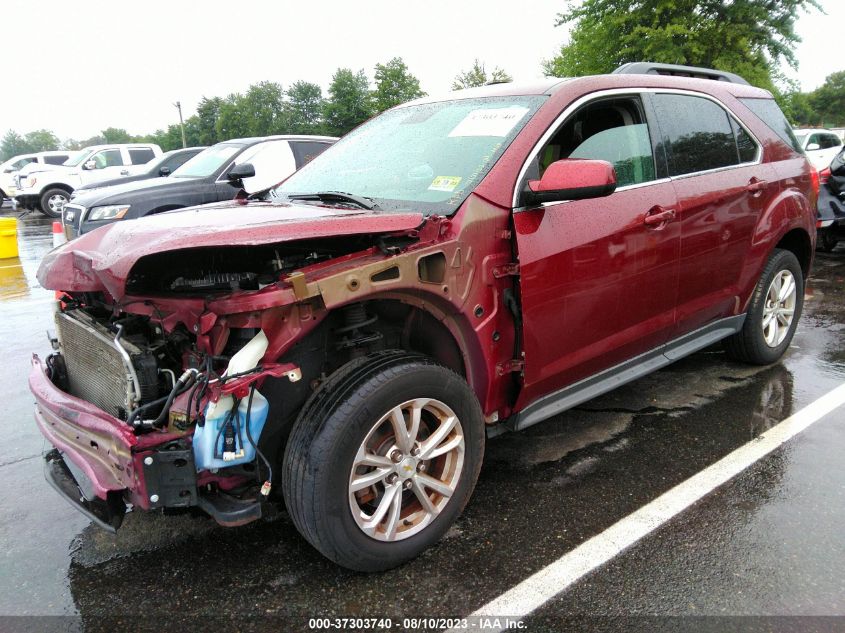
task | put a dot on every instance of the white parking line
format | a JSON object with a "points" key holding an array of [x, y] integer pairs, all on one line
{"points": [[535, 591]]}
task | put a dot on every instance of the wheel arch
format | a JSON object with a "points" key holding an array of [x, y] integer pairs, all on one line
{"points": [[55, 185]]}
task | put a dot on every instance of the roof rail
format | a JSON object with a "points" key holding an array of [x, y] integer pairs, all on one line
{"points": [[675, 70]]}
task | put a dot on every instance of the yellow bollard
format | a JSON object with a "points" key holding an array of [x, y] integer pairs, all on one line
{"points": [[8, 238]]}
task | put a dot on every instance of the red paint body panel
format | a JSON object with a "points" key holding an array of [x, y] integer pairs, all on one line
{"points": [[102, 259], [598, 285]]}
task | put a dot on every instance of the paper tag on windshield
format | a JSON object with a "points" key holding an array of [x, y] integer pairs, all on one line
{"points": [[489, 122], [444, 183]]}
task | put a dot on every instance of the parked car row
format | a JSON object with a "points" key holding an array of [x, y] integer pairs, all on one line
{"points": [[10, 168], [49, 187], [214, 174], [456, 267]]}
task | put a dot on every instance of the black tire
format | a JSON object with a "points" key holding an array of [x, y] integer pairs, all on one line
{"points": [[327, 434], [825, 241], [47, 204], [749, 344]]}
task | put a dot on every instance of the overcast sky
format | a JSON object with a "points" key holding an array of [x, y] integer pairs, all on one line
{"points": [[78, 66]]}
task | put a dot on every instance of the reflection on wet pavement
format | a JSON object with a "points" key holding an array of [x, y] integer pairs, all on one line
{"points": [[541, 493]]}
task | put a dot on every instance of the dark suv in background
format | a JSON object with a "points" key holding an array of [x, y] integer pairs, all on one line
{"points": [[453, 268], [213, 175]]}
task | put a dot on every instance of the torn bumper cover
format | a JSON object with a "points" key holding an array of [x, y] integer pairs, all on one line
{"points": [[97, 461]]}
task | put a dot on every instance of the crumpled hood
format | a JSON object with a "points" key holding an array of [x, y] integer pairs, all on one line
{"points": [[101, 260]]}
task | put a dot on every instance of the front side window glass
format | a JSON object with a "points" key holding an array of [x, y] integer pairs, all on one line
{"points": [[107, 158], [830, 140], [613, 130], [426, 157], [207, 161], [697, 133]]}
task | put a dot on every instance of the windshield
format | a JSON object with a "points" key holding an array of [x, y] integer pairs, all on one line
{"points": [[426, 157], [207, 161], [76, 158]]}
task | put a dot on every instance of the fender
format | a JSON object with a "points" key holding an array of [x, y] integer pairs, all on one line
{"points": [[790, 210]]}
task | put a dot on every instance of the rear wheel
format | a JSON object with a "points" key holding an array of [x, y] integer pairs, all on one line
{"points": [[53, 202], [773, 313], [382, 459]]}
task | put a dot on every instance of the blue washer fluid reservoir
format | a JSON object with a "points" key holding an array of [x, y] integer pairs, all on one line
{"points": [[208, 439]]}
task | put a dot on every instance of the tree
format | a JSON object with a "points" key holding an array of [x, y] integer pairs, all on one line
{"points": [[349, 102], [797, 108], [116, 135], [41, 141], [231, 122], [748, 37], [304, 108], [264, 109], [12, 145], [208, 112], [829, 99], [394, 85], [477, 76]]}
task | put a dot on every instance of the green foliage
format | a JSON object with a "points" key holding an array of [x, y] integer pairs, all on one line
{"points": [[828, 100], [116, 135], [349, 101], [304, 108], [748, 37], [394, 85], [13, 143], [477, 76], [258, 112], [207, 114]]}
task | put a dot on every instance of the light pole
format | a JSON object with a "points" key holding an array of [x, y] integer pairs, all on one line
{"points": [[178, 106]]}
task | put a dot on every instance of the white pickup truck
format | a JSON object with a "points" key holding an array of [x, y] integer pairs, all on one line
{"points": [[10, 168], [48, 187]]}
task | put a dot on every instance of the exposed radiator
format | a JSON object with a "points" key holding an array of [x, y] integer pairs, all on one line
{"points": [[96, 370]]}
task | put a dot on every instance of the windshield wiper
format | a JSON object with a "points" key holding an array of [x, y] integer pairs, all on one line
{"points": [[341, 196]]}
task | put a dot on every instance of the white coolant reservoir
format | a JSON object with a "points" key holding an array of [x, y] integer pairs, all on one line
{"points": [[249, 355]]}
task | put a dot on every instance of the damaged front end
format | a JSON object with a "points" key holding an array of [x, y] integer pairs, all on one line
{"points": [[153, 398]]}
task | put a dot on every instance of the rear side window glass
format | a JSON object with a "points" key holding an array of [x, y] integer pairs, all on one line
{"points": [[770, 114], [141, 155], [745, 145], [697, 134], [56, 160], [305, 151]]}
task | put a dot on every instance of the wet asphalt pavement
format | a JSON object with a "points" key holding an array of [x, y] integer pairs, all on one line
{"points": [[768, 543]]}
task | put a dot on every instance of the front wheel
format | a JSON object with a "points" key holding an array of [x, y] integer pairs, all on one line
{"points": [[53, 202], [382, 459], [773, 313]]}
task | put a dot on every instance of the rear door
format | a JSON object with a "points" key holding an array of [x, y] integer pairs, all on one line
{"points": [[722, 187], [597, 283]]}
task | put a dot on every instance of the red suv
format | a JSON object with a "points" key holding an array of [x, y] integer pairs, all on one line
{"points": [[451, 269]]}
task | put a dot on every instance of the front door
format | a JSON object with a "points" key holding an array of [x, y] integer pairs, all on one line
{"points": [[598, 281]]}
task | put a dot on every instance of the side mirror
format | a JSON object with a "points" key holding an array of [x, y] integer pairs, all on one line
{"points": [[89, 164], [572, 179], [239, 172], [812, 147], [164, 171]]}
